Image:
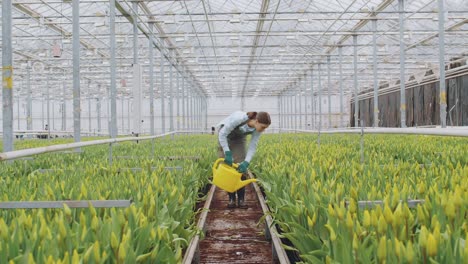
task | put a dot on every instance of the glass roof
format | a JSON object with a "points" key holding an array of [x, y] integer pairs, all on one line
{"points": [[232, 47]]}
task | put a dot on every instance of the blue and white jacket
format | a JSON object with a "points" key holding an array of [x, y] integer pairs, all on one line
{"points": [[236, 125]]}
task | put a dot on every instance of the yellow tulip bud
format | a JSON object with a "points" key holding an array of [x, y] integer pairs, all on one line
{"points": [[388, 215], [66, 258], [397, 216], [331, 211], [84, 232], [50, 260], [397, 248], [354, 194], [457, 197], [349, 221], [31, 259], [82, 219], [332, 232], [67, 210], [352, 206], [114, 241], [382, 226], [420, 214], [367, 219], [423, 237], [421, 188], [310, 223], [97, 252], [328, 260], [382, 249], [355, 242], [92, 210], [62, 229], [122, 253], [75, 257], [340, 212], [450, 210], [409, 252], [431, 245], [95, 224], [4, 233]]}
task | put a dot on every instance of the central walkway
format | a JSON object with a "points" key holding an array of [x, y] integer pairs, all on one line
{"points": [[233, 235]]}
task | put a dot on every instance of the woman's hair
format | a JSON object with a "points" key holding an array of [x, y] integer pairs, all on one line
{"points": [[262, 117]]}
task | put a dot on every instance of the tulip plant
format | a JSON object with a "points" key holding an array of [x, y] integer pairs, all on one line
{"points": [[156, 227], [313, 191]]}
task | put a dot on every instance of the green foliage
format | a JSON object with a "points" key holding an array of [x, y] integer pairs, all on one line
{"points": [[307, 186], [156, 228]]}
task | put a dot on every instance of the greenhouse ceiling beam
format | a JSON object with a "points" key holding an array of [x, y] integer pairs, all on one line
{"points": [[210, 31], [162, 33], [33, 14], [359, 25], [259, 27], [321, 12], [194, 29], [253, 33], [302, 33]]}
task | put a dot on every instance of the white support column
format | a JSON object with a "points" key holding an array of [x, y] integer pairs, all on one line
{"points": [[300, 105], [163, 107], [7, 76], [177, 102], [171, 99], [356, 88], [442, 94], [340, 54], [329, 91], [401, 10], [320, 95], [374, 60], [113, 89]]}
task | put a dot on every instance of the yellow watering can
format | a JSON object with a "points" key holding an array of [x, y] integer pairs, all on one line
{"points": [[227, 177]]}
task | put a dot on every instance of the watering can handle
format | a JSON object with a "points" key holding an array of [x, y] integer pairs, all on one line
{"points": [[235, 165]]}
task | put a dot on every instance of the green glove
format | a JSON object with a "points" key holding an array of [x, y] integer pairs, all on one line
{"points": [[228, 158], [243, 167]]}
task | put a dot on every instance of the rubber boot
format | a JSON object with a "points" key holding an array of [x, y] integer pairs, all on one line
{"points": [[232, 200], [241, 201]]}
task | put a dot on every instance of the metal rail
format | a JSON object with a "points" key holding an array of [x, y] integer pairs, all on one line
{"points": [[374, 203], [451, 132], [71, 204], [270, 230], [192, 253], [40, 150]]}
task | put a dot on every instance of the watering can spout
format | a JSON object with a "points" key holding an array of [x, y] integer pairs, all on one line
{"points": [[244, 183]]}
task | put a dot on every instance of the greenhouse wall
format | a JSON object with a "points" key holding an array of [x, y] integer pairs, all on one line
{"points": [[218, 108], [422, 105]]}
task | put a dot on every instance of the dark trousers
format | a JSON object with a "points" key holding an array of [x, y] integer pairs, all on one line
{"points": [[238, 150]]}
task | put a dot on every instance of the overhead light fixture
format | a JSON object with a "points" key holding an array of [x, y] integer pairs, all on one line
{"points": [[181, 39], [290, 37], [233, 50], [234, 38], [302, 20]]}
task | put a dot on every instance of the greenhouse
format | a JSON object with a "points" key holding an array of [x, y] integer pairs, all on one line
{"points": [[234, 131]]}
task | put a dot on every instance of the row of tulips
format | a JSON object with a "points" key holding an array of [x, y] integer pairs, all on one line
{"points": [[156, 228], [313, 190]]}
